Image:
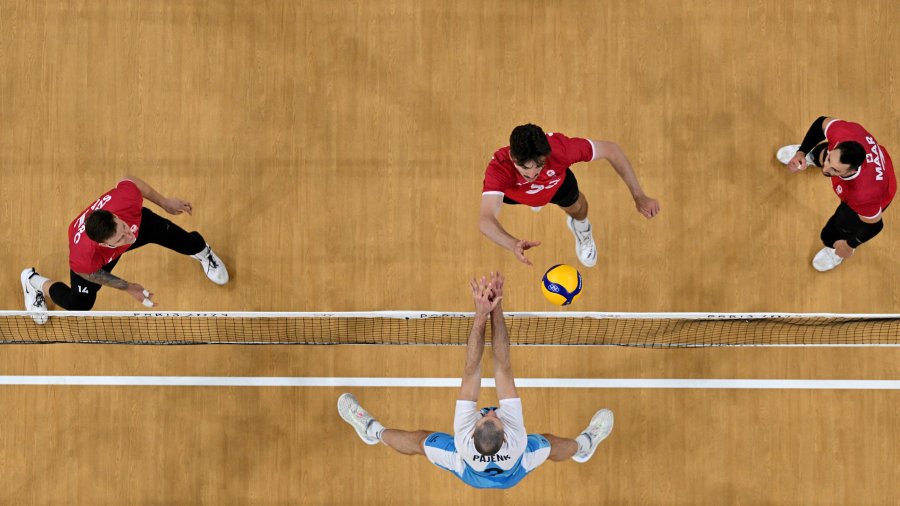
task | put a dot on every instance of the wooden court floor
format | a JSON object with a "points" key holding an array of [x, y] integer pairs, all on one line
{"points": [[334, 153]]}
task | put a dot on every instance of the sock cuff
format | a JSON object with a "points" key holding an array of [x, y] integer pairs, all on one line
{"points": [[198, 255], [581, 225], [584, 441], [375, 429], [37, 279]]}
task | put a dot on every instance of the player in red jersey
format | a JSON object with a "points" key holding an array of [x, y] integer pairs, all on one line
{"points": [[115, 223], [534, 170], [862, 176]]}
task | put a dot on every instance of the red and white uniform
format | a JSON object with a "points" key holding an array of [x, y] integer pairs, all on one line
{"points": [[502, 178], [873, 186], [87, 256]]}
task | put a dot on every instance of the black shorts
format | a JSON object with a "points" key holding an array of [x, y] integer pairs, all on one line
{"points": [[565, 196]]}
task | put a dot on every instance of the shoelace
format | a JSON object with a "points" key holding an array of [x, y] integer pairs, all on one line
{"points": [[584, 240], [212, 261], [583, 235]]}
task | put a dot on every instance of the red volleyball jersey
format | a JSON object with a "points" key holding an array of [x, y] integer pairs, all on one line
{"points": [[502, 178], [873, 186], [87, 256]]}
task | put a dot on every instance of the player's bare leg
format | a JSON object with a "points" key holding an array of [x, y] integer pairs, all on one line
{"points": [[561, 448], [578, 210], [585, 248], [406, 442]]}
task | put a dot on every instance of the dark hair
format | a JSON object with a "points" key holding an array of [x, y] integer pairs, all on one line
{"points": [[852, 153], [488, 438], [527, 143], [100, 225]]}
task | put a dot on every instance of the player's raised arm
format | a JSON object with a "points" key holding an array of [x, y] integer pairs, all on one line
{"points": [[503, 374], [484, 303], [490, 226], [610, 151], [171, 205]]}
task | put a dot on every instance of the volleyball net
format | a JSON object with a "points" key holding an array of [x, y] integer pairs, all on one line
{"points": [[658, 330]]}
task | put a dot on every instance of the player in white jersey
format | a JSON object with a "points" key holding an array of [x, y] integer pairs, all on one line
{"points": [[490, 447]]}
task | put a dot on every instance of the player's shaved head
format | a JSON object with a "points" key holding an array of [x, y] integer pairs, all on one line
{"points": [[528, 143], [488, 437], [100, 226]]}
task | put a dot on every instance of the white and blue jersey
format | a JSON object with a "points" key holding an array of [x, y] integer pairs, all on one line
{"points": [[520, 454]]}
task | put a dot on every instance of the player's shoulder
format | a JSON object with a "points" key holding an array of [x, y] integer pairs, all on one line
{"points": [[501, 154], [501, 161], [562, 141], [127, 185], [556, 137], [837, 126]]}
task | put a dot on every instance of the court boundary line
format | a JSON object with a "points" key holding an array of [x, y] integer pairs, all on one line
{"points": [[396, 382], [429, 314]]}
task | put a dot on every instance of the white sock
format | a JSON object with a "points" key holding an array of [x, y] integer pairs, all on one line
{"points": [[581, 225], [375, 429], [584, 442], [202, 254], [37, 281]]}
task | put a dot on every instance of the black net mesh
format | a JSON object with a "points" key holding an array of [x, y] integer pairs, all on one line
{"points": [[451, 329]]}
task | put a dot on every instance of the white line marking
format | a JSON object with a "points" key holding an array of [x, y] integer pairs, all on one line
{"points": [[228, 381], [439, 314]]}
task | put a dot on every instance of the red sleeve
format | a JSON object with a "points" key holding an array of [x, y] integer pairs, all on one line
{"points": [[129, 192], [572, 150], [496, 178]]}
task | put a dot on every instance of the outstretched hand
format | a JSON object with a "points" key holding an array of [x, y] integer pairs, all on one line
{"points": [[497, 284], [521, 247], [140, 294], [485, 298], [648, 206], [174, 205]]}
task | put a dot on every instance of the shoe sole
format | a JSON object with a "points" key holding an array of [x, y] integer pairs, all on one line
{"points": [[222, 282], [572, 229], [26, 273], [349, 419], [783, 151], [824, 270], [612, 422], [814, 266]]}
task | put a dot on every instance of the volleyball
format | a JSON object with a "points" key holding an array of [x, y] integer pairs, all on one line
{"points": [[561, 284]]}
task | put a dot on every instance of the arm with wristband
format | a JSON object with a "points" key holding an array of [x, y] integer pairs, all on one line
{"points": [[814, 136]]}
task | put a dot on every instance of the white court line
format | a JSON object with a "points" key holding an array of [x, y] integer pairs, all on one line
{"points": [[230, 381]]}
